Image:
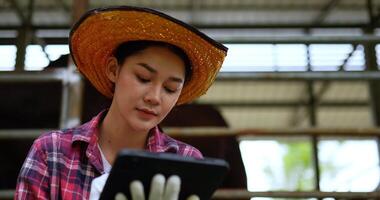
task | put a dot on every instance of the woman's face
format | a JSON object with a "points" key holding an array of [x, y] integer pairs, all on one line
{"points": [[147, 87]]}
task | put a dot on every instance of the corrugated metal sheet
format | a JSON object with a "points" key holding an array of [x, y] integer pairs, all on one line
{"points": [[290, 92], [215, 11], [247, 12]]}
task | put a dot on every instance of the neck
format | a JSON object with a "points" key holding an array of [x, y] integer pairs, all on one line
{"points": [[114, 135]]}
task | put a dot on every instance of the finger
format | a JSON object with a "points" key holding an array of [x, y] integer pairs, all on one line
{"points": [[120, 196], [157, 187], [193, 197], [137, 190], [172, 188]]}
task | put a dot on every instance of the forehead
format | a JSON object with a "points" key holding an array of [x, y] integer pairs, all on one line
{"points": [[158, 58]]}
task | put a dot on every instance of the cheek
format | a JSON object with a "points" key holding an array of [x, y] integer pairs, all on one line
{"points": [[171, 101], [127, 85]]}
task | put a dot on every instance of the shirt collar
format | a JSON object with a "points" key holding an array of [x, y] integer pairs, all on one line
{"points": [[160, 142], [88, 133], [157, 141]]}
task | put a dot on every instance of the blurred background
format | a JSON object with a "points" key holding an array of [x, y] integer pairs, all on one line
{"points": [[295, 109]]}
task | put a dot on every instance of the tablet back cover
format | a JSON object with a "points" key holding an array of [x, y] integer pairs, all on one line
{"points": [[198, 176]]}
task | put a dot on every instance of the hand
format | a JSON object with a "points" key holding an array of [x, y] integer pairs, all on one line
{"points": [[159, 189]]}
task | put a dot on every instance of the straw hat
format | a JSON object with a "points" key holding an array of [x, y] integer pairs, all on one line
{"points": [[97, 34]]}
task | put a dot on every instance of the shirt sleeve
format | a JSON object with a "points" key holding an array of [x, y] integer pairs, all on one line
{"points": [[33, 180], [194, 152]]}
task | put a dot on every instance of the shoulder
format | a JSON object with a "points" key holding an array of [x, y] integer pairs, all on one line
{"points": [[43, 151], [64, 137], [52, 140]]}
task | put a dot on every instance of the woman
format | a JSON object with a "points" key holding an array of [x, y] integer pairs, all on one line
{"points": [[147, 62]]}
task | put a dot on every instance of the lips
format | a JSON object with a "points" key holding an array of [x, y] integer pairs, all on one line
{"points": [[147, 111]]}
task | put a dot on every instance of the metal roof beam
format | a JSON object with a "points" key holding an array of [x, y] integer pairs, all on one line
{"points": [[14, 4], [224, 26], [266, 40], [65, 7], [25, 33], [243, 76], [303, 39], [319, 94], [325, 12], [349, 55], [219, 6], [46, 41], [276, 104], [299, 76]]}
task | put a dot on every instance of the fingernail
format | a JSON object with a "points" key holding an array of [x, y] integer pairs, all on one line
{"points": [[120, 196]]}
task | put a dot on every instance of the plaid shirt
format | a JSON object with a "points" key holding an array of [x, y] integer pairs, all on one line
{"points": [[62, 164]]}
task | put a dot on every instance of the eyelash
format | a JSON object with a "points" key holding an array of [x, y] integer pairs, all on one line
{"points": [[143, 80], [169, 91]]}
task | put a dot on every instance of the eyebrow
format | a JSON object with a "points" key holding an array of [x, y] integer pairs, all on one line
{"points": [[147, 67], [152, 70]]}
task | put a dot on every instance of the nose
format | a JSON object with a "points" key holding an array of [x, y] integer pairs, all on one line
{"points": [[153, 96]]}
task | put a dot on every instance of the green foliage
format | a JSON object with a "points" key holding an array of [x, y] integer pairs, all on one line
{"points": [[298, 165]]}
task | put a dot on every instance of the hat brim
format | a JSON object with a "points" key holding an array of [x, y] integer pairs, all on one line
{"points": [[99, 32]]}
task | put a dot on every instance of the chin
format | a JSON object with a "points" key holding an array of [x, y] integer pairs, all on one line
{"points": [[144, 126]]}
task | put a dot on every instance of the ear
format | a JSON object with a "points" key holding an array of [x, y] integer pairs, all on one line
{"points": [[112, 69]]}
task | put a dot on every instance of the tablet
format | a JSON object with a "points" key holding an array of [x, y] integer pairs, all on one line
{"points": [[198, 176]]}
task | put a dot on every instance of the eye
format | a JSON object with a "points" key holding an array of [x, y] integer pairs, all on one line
{"points": [[170, 91], [142, 80]]}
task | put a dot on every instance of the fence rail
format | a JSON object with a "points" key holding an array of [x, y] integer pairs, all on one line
{"points": [[236, 194], [212, 131]]}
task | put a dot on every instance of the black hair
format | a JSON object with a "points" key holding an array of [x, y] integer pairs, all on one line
{"points": [[130, 48]]}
